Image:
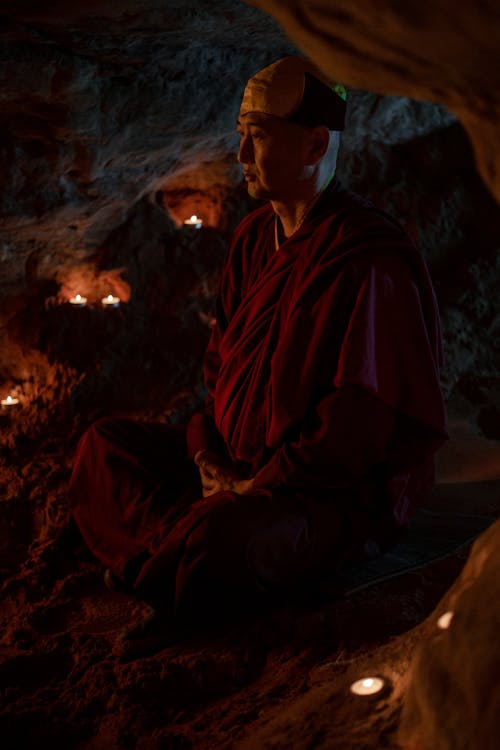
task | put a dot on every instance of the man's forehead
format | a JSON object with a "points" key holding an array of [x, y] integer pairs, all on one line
{"points": [[259, 118]]}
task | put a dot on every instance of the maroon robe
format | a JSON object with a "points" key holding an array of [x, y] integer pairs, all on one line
{"points": [[323, 385], [344, 309]]}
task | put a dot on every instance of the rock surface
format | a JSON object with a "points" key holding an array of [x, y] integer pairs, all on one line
{"points": [[101, 103], [439, 51], [278, 678], [453, 697], [108, 105], [116, 123]]}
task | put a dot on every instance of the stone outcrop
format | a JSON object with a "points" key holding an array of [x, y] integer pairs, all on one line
{"points": [[453, 698], [101, 103], [117, 123], [108, 105], [440, 51]]}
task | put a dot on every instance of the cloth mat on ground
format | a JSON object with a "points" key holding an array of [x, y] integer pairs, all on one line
{"points": [[430, 536]]}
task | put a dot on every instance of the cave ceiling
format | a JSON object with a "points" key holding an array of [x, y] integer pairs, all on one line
{"points": [[105, 102], [113, 110], [440, 51]]}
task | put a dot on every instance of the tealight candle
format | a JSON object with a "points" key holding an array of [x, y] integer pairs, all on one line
{"points": [[78, 300], [367, 686], [445, 620], [10, 401], [110, 301], [194, 222]]}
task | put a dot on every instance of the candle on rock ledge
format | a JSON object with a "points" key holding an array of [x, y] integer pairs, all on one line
{"points": [[9, 401], [444, 621], [194, 222], [367, 686], [110, 301], [78, 300]]}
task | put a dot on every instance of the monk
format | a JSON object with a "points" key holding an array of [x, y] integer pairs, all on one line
{"points": [[324, 410]]}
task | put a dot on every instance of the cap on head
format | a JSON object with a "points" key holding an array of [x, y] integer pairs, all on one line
{"points": [[294, 89]]}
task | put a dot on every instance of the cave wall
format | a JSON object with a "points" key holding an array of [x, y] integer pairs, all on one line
{"points": [[438, 51], [101, 104], [117, 122]]}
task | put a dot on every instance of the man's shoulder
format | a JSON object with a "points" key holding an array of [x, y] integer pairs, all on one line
{"points": [[359, 214], [353, 227], [353, 235]]}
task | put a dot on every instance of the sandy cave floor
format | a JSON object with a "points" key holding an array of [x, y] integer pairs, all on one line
{"points": [[279, 679]]}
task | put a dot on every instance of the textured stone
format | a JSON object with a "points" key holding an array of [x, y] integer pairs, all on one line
{"points": [[102, 103], [439, 51], [116, 123], [453, 698], [109, 104]]}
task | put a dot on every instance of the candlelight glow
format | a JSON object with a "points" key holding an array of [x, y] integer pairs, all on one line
{"points": [[9, 401], [367, 686], [110, 301], [194, 221], [445, 620], [78, 300]]}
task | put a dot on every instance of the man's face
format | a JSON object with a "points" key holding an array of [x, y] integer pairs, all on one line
{"points": [[274, 156]]}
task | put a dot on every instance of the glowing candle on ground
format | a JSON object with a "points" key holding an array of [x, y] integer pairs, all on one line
{"points": [[367, 686], [10, 401], [445, 620], [194, 222], [78, 300], [110, 301]]}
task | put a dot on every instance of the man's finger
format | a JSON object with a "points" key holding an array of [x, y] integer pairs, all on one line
{"points": [[206, 458], [204, 471]]}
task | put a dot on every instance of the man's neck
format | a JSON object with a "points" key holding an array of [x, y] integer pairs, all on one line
{"points": [[292, 212]]}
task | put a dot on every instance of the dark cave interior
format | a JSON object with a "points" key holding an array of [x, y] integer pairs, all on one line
{"points": [[117, 125]]}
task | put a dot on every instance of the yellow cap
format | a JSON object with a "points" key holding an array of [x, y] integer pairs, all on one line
{"points": [[295, 89]]}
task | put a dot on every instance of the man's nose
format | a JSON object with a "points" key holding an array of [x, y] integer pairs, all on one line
{"points": [[245, 151]]}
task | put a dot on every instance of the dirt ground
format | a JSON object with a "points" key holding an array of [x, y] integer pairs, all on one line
{"points": [[277, 679]]}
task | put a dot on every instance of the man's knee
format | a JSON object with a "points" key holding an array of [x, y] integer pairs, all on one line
{"points": [[109, 428], [92, 447], [110, 433]]}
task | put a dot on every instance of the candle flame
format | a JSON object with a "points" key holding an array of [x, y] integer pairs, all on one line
{"points": [[110, 298], [194, 218], [445, 620], [368, 686], [78, 299], [10, 401]]}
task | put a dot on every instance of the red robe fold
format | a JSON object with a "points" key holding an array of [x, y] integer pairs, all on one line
{"points": [[344, 308], [323, 384]]}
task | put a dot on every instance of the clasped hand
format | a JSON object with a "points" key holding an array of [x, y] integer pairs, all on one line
{"points": [[217, 476]]}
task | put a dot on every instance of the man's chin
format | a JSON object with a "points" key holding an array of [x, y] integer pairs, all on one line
{"points": [[257, 191]]}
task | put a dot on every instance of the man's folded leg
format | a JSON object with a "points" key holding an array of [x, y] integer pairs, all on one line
{"points": [[129, 484]]}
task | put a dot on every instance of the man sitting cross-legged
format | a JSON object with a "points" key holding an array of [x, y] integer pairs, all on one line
{"points": [[324, 408]]}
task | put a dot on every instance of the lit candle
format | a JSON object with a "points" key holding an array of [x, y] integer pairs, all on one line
{"points": [[367, 686], [78, 300], [10, 401], [110, 301], [194, 221], [445, 620]]}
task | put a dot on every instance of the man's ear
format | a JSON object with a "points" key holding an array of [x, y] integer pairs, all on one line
{"points": [[318, 144]]}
